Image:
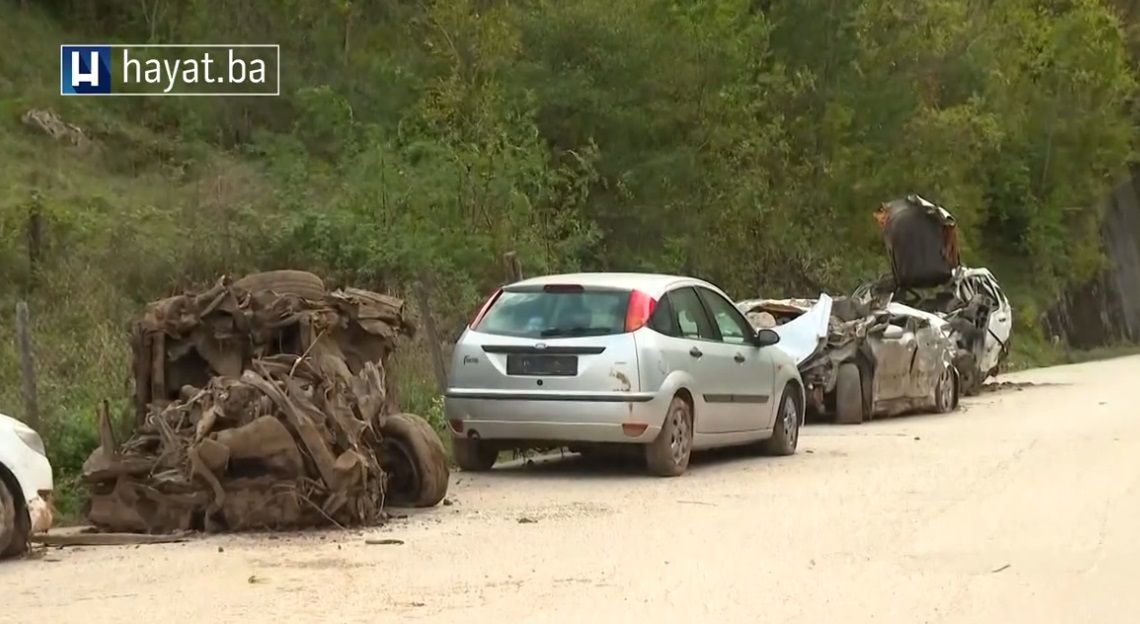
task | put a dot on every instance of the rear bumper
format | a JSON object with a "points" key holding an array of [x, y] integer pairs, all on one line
{"points": [[577, 417]]}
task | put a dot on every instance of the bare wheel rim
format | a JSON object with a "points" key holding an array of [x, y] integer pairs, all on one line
{"points": [[946, 388], [678, 434], [791, 419]]}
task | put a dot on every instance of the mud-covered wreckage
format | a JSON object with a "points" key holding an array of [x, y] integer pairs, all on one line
{"points": [[264, 404], [927, 274], [912, 339], [859, 360]]}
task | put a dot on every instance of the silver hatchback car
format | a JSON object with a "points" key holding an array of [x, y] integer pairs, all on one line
{"points": [[594, 360]]}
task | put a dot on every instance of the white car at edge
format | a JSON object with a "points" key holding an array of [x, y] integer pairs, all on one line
{"points": [[25, 486]]}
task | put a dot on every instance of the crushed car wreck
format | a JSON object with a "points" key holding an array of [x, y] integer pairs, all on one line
{"points": [[264, 403], [927, 274], [859, 361]]}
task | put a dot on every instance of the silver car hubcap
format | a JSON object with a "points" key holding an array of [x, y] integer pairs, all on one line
{"points": [[679, 440], [791, 419]]}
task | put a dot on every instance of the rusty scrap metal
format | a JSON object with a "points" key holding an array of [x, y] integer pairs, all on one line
{"points": [[260, 407]]}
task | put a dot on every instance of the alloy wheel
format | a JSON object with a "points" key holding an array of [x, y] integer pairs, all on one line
{"points": [[679, 434], [791, 421]]}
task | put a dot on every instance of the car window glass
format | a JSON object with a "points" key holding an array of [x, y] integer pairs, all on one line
{"points": [[732, 328], [663, 320], [545, 314], [692, 322]]}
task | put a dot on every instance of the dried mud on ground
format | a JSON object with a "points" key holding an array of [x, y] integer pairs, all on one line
{"points": [[1011, 386]]}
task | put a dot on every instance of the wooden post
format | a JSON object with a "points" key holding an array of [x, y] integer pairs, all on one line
{"points": [[512, 267], [35, 239], [434, 345], [106, 431], [141, 344], [158, 368], [27, 366]]}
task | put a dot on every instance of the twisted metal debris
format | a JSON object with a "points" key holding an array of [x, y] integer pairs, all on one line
{"points": [[264, 404]]}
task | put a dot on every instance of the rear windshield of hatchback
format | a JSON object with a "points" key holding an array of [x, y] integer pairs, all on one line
{"points": [[556, 313]]}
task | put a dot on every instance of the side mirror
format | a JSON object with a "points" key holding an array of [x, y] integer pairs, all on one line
{"points": [[766, 338]]}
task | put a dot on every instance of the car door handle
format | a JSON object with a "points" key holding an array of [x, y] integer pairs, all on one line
{"points": [[695, 352], [739, 358]]}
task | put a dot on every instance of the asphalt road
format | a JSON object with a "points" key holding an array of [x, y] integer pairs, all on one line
{"points": [[1022, 507]]}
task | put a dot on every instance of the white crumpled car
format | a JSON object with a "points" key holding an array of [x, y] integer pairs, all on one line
{"points": [[25, 486], [859, 361]]}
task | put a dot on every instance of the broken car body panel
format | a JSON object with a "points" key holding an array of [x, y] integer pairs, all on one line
{"points": [[804, 335], [921, 239], [910, 361]]}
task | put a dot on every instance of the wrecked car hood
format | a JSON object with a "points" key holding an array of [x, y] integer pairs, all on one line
{"points": [[804, 335], [921, 239]]}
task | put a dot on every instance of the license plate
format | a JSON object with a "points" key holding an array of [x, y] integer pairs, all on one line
{"points": [[551, 365]]}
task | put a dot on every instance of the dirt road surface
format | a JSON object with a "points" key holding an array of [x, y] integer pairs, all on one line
{"points": [[1024, 507]]}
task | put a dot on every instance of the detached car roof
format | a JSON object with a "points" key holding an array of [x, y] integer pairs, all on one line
{"points": [[652, 284]]}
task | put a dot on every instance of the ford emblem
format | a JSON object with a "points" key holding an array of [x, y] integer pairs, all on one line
{"points": [[541, 345]]}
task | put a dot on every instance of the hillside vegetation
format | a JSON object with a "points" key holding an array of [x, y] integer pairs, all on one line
{"points": [[744, 141]]}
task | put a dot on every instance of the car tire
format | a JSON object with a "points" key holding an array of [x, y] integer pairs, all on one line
{"points": [[849, 395], [14, 523], [415, 461], [946, 392], [473, 455], [668, 455], [786, 429]]}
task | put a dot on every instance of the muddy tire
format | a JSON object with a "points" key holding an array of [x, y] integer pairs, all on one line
{"points": [[300, 283], [13, 523], [668, 455], [786, 429], [473, 455], [414, 461], [946, 392], [849, 395]]}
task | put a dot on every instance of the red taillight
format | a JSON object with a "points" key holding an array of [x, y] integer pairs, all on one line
{"points": [[486, 306], [640, 308]]}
